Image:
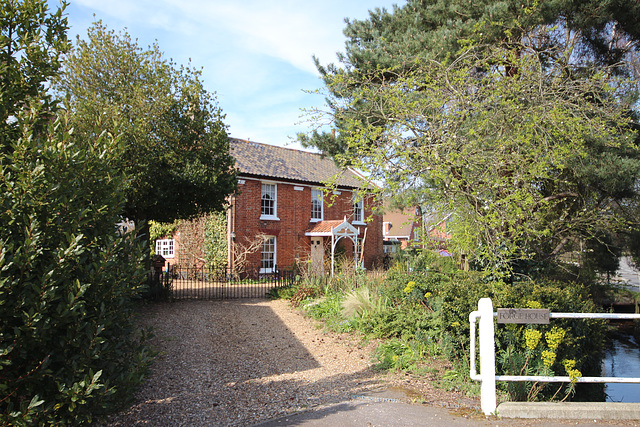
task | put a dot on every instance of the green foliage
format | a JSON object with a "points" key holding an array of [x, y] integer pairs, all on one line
{"points": [[426, 314], [215, 240], [402, 354], [176, 150], [32, 41], [69, 351], [507, 155], [160, 230], [599, 32], [514, 116], [329, 309]]}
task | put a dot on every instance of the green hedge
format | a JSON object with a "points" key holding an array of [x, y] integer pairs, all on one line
{"points": [[68, 346]]}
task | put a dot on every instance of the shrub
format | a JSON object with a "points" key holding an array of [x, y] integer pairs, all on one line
{"points": [[68, 347]]}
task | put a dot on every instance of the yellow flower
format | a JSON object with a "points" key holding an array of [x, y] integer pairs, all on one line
{"points": [[554, 337], [427, 295], [533, 304], [548, 357], [409, 287], [532, 338], [574, 375], [455, 324], [569, 366]]}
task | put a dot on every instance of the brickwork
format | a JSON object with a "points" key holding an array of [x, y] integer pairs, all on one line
{"points": [[293, 210]]}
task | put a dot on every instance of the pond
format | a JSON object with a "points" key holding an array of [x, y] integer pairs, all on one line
{"points": [[622, 359]]}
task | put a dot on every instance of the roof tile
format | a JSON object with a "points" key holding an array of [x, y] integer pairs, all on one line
{"points": [[265, 160]]}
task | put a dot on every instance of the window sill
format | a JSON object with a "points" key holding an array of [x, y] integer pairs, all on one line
{"points": [[316, 220], [359, 223], [269, 218]]}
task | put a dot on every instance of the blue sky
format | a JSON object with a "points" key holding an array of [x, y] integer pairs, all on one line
{"points": [[255, 54]]}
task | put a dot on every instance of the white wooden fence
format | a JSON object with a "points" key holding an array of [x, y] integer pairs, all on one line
{"points": [[487, 375]]}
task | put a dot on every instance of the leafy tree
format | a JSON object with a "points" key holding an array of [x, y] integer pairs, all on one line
{"points": [[517, 117], [68, 348], [32, 41], [523, 158], [594, 31], [176, 151]]}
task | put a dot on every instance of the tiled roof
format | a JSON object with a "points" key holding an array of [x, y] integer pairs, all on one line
{"points": [[272, 161], [401, 222], [324, 226]]}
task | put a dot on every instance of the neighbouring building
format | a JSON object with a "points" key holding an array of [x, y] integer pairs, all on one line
{"points": [[401, 228], [407, 227]]}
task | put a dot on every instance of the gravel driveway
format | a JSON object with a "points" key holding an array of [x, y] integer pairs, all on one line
{"points": [[239, 362]]}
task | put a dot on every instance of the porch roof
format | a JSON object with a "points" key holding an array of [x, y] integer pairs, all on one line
{"points": [[328, 227], [322, 228]]}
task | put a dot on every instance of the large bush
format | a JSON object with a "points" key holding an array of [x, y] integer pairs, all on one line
{"points": [[68, 347], [426, 313]]}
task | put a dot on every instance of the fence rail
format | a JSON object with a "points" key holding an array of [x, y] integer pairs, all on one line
{"points": [[180, 283]]}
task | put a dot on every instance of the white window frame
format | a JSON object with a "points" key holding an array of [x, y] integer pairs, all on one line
{"points": [[317, 196], [390, 249], [266, 191], [166, 248], [358, 210], [272, 243]]}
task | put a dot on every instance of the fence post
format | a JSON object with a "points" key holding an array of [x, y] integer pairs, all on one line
{"points": [[487, 357]]}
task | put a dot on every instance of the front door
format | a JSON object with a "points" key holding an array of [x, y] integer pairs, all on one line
{"points": [[317, 256]]}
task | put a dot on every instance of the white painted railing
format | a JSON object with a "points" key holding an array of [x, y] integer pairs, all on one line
{"points": [[487, 375]]}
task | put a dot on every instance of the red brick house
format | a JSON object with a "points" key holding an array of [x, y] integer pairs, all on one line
{"points": [[285, 209]]}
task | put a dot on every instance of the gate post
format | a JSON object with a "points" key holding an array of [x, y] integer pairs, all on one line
{"points": [[487, 357]]}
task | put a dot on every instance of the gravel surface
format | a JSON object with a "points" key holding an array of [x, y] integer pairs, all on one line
{"points": [[239, 362]]}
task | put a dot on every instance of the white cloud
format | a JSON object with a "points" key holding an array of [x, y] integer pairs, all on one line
{"points": [[292, 31], [256, 54]]}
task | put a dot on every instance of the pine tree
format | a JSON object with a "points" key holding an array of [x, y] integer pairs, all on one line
{"points": [[599, 32], [517, 117]]}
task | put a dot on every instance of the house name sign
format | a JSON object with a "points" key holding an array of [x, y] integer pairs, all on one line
{"points": [[523, 315]]}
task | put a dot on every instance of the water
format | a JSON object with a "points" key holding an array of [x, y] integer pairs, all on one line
{"points": [[622, 360]]}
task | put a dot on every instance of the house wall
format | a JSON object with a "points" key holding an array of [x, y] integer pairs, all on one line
{"points": [[293, 208]]}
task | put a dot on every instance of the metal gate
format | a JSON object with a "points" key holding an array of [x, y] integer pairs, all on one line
{"points": [[180, 283]]}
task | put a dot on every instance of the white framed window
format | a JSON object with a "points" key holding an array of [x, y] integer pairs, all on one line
{"points": [[268, 255], [268, 201], [165, 247], [358, 210], [317, 210], [390, 249]]}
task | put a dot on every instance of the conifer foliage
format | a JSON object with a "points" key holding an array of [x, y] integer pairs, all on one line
{"points": [[519, 117]]}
